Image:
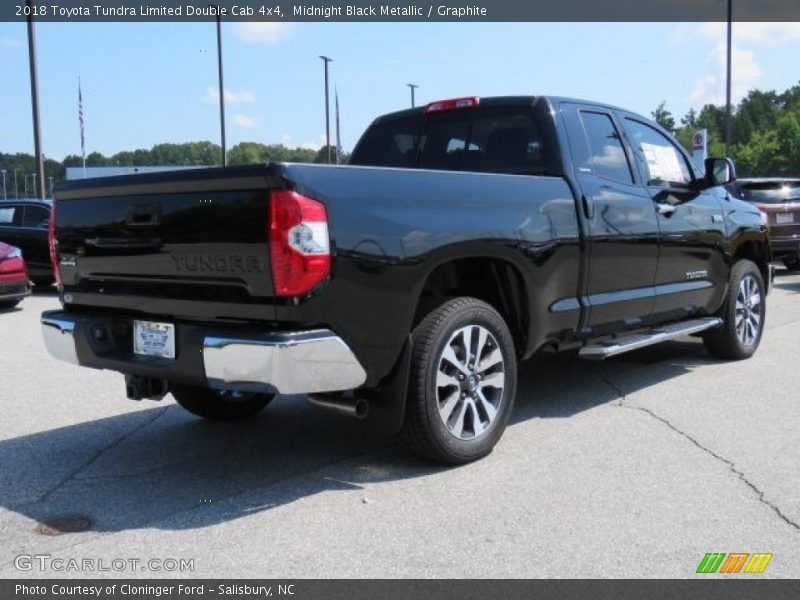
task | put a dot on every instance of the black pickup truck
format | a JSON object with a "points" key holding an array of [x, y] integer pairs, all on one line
{"points": [[405, 287]]}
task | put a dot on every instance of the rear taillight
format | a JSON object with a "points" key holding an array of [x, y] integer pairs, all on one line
{"points": [[53, 243], [452, 104], [299, 247]]}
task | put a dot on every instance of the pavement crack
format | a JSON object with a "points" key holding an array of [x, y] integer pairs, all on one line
{"points": [[615, 388], [72, 475], [728, 463]]}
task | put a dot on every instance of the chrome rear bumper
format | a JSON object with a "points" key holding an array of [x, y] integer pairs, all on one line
{"points": [[291, 363], [296, 362], [59, 338]]}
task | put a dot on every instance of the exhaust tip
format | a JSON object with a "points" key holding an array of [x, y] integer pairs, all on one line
{"points": [[358, 408], [361, 409]]}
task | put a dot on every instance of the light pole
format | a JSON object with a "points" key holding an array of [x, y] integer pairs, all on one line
{"points": [[5, 196], [221, 88], [33, 181], [327, 60], [51, 185], [728, 83], [16, 187], [412, 86], [37, 134]]}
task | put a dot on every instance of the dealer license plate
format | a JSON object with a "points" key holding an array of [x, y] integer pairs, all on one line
{"points": [[154, 339], [784, 218]]}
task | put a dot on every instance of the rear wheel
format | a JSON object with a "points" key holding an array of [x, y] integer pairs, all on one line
{"points": [[743, 315], [219, 405], [463, 382]]}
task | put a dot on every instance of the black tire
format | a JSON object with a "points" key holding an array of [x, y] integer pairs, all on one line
{"points": [[729, 341], [446, 329], [8, 304], [217, 405]]}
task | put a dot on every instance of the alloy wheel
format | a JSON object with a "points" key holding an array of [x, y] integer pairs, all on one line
{"points": [[748, 311], [470, 381]]}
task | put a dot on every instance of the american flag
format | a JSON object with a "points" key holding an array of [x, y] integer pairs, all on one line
{"points": [[80, 118]]}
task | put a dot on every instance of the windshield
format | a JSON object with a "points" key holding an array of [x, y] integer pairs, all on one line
{"points": [[499, 140], [772, 193]]}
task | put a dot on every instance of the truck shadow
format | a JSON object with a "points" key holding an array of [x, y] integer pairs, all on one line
{"points": [[160, 467]]}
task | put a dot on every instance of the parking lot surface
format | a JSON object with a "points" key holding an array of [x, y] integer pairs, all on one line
{"points": [[634, 467]]}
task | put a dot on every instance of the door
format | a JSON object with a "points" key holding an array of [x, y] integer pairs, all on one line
{"points": [[10, 221], [33, 237], [691, 272], [620, 222]]}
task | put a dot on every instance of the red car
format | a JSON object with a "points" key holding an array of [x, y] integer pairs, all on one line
{"points": [[14, 284]]}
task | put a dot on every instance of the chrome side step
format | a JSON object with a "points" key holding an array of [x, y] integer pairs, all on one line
{"points": [[626, 343]]}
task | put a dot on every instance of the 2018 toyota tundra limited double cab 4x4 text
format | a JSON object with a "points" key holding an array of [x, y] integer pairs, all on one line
{"points": [[406, 286]]}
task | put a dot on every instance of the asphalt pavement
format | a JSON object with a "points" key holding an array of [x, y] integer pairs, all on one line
{"points": [[633, 467]]}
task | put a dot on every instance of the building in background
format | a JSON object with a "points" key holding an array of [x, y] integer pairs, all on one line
{"points": [[91, 172]]}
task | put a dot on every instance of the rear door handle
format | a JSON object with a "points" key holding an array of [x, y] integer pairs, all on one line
{"points": [[665, 209], [588, 206]]}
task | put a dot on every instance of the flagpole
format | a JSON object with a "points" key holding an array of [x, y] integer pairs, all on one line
{"points": [[80, 118], [338, 138], [728, 81]]}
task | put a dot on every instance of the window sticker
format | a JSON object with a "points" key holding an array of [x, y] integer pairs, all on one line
{"points": [[662, 162]]}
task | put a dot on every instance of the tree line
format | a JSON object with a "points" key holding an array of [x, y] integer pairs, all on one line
{"points": [[765, 131], [184, 154]]}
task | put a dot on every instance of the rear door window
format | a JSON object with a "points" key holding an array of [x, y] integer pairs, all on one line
{"points": [[606, 153], [35, 216]]}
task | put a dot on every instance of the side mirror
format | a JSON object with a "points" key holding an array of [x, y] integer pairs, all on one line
{"points": [[719, 171]]}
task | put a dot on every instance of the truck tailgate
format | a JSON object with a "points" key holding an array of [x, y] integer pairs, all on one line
{"points": [[188, 243]]}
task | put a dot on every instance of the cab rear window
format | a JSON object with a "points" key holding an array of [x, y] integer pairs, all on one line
{"points": [[483, 140], [772, 193]]}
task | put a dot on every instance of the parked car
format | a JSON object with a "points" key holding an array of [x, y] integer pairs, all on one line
{"points": [[24, 224], [13, 276], [465, 236], [778, 199]]}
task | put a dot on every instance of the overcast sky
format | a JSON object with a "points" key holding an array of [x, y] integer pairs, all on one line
{"points": [[150, 83]]}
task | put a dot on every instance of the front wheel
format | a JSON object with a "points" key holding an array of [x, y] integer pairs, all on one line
{"points": [[463, 382], [219, 405], [743, 315]]}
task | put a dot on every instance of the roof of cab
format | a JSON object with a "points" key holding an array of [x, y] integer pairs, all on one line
{"points": [[506, 101], [35, 201]]}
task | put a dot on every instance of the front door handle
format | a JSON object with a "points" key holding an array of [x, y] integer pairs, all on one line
{"points": [[665, 209]]}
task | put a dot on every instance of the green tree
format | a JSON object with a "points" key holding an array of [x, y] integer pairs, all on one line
{"points": [[663, 117], [322, 155]]}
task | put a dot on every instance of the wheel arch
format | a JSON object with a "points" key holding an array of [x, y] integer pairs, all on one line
{"points": [[496, 280], [757, 251]]}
